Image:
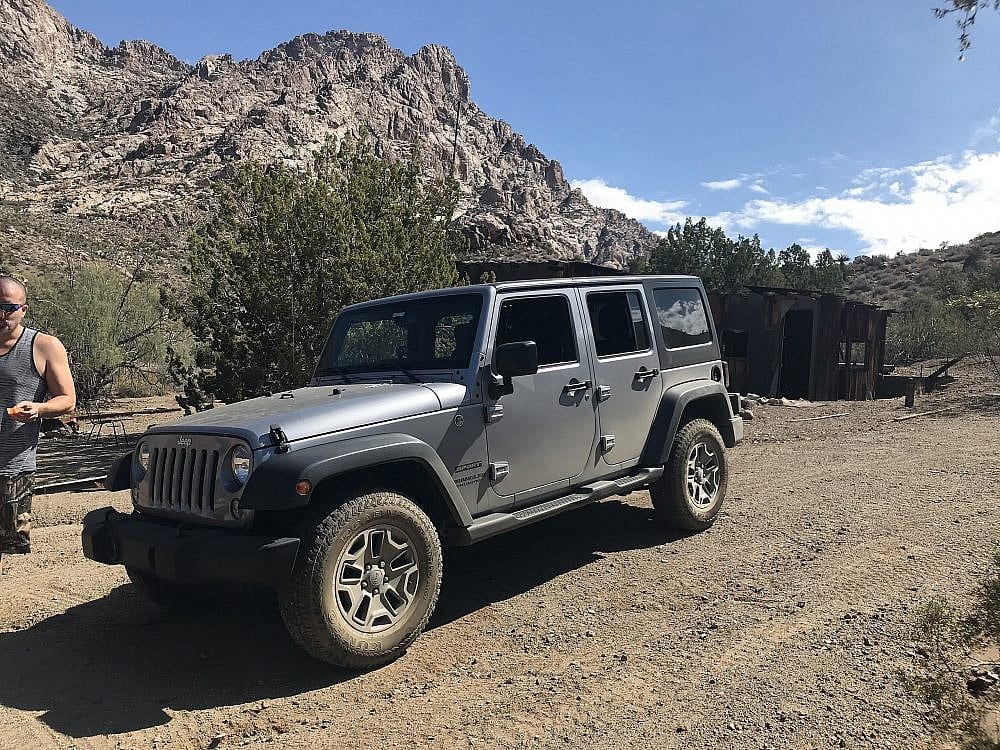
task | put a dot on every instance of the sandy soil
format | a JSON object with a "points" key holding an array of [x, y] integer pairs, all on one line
{"points": [[784, 626]]}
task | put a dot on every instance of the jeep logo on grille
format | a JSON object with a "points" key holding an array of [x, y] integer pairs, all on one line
{"points": [[183, 442]]}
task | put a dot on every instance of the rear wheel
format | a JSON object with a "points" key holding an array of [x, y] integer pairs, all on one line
{"points": [[365, 582], [690, 493]]}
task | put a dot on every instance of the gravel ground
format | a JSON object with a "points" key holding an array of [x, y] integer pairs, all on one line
{"points": [[782, 627]]}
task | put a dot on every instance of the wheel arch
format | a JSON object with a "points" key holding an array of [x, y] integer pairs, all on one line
{"points": [[398, 462], [678, 406], [408, 477]]}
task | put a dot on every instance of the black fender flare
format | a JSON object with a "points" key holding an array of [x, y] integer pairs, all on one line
{"points": [[120, 474], [673, 402], [272, 485]]}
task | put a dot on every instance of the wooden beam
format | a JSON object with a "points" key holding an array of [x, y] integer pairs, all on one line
{"points": [[824, 416], [919, 414], [70, 485]]}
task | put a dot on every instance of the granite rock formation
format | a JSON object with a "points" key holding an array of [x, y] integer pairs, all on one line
{"points": [[95, 138]]}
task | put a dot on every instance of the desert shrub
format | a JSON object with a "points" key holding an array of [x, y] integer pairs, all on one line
{"points": [[115, 329], [981, 311], [925, 327], [958, 689]]}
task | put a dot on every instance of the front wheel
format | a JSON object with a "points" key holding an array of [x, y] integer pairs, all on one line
{"points": [[365, 582], [689, 495]]}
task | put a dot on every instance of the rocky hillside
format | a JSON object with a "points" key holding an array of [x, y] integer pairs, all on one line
{"points": [[102, 145], [890, 282]]}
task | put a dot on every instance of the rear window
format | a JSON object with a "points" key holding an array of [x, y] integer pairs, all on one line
{"points": [[681, 316]]}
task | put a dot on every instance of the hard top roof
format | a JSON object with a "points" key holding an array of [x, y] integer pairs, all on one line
{"points": [[506, 286], [528, 284]]}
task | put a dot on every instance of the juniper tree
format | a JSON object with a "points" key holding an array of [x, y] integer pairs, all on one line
{"points": [[289, 248]]}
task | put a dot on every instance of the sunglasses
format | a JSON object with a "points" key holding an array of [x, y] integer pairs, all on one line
{"points": [[10, 307]]}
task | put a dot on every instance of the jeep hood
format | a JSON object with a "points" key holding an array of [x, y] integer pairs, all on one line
{"points": [[318, 410]]}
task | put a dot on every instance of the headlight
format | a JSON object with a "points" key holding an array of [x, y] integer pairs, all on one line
{"points": [[144, 456], [242, 460]]}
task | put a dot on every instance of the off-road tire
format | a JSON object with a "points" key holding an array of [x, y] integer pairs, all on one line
{"points": [[311, 604], [166, 594], [676, 505]]}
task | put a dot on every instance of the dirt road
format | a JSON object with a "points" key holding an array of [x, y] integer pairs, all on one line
{"points": [[782, 627]]}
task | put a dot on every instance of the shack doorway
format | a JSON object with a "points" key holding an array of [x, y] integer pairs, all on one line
{"points": [[796, 354]]}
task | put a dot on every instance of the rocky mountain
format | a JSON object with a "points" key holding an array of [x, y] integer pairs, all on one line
{"points": [[110, 144]]}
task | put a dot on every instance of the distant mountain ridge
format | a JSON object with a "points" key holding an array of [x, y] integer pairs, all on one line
{"points": [[126, 140]]}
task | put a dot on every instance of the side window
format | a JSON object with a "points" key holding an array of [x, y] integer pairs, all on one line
{"points": [[682, 319], [618, 323], [859, 351], [544, 320]]}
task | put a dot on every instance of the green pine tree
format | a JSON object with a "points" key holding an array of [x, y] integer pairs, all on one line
{"points": [[288, 249]]}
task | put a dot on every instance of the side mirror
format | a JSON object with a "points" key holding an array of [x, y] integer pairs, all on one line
{"points": [[510, 361], [516, 358]]}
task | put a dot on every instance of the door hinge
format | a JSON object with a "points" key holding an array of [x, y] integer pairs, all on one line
{"points": [[498, 470], [603, 392], [607, 443], [494, 413]]}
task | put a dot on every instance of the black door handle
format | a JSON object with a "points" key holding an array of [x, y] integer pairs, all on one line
{"points": [[575, 386], [644, 374]]}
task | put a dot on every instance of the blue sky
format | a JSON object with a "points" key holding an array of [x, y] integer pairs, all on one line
{"points": [[850, 125]]}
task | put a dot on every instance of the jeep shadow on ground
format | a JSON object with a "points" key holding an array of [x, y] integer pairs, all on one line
{"points": [[513, 563], [115, 664]]}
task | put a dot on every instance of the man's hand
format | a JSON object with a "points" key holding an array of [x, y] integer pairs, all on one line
{"points": [[26, 411]]}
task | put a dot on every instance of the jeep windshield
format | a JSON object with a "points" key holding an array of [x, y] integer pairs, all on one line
{"points": [[432, 333]]}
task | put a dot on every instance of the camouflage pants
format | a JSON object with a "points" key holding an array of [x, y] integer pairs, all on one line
{"points": [[15, 513]]}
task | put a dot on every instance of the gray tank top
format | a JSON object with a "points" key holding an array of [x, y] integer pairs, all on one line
{"points": [[19, 381]]}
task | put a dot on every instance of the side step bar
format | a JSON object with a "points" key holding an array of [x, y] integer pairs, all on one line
{"points": [[497, 523]]}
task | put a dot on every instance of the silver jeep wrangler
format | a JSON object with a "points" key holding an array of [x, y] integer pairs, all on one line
{"points": [[444, 417]]}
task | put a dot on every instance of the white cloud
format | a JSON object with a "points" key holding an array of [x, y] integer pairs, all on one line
{"points": [[604, 195], [758, 188], [813, 250], [892, 209], [722, 184], [988, 133]]}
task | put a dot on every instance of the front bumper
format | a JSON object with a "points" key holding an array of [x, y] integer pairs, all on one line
{"points": [[184, 554]]}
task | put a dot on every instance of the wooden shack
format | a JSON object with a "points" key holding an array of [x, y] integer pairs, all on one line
{"points": [[800, 344]]}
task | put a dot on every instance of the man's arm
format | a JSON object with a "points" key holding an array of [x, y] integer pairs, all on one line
{"points": [[52, 362]]}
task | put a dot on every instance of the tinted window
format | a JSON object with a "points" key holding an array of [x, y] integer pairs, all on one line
{"points": [[434, 333], [544, 320], [681, 315], [618, 323]]}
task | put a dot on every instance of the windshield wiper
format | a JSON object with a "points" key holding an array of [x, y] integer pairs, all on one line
{"points": [[335, 371], [408, 373]]}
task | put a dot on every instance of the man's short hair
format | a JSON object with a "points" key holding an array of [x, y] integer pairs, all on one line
{"points": [[8, 282]]}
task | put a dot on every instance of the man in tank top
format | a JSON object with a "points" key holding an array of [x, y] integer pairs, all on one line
{"points": [[35, 382]]}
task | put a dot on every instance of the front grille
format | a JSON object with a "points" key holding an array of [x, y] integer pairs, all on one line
{"points": [[187, 479], [182, 480]]}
